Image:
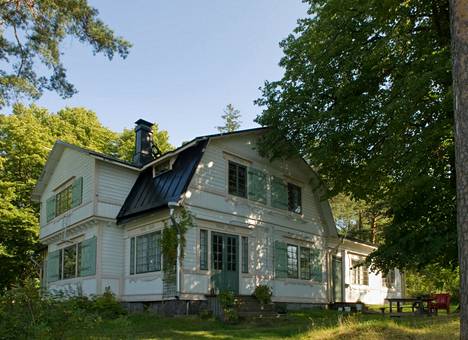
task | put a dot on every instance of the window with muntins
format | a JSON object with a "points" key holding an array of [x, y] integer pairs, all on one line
{"points": [[77, 260], [66, 199], [293, 261], [70, 264], [359, 273], [294, 198], [145, 253], [204, 249], [237, 179], [296, 262]]}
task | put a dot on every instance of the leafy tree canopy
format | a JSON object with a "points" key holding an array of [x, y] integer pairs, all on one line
{"points": [[26, 138], [366, 96], [32, 31], [231, 119]]}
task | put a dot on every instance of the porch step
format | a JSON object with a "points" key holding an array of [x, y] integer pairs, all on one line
{"points": [[249, 307]]}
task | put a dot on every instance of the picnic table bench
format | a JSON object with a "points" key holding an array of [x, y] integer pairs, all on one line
{"points": [[420, 303]]}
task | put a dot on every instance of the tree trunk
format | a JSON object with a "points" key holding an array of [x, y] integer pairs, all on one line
{"points": [[459, 31]]}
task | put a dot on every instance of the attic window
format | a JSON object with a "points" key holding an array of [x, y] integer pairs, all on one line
{"points": [[162, 167]]}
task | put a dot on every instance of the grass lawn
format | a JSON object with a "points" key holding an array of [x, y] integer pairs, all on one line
{"points": [[315, 324]]}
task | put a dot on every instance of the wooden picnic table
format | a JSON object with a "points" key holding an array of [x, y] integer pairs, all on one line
{"points": [[415, 302]]}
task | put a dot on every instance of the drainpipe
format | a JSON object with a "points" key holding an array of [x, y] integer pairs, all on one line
{"points": [[172, 206]]}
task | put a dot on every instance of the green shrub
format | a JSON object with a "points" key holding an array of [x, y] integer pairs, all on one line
{"points": [[434, 279], [107, 306], [227, 301], [263, 294], [206, 314], [27, 313]]}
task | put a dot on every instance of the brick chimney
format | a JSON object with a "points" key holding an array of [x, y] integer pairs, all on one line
{"points": [[143, 143]]}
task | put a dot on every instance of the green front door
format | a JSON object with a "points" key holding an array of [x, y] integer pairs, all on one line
{"points": [[225, 262], [337, 279]]}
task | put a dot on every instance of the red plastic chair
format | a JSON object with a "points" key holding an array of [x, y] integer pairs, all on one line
{"points": [[441, 301]]}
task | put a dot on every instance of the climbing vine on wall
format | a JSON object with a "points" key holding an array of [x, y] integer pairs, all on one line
{"points": [[178, 225]]}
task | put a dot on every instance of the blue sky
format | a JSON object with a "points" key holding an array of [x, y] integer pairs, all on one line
{"points": [[188, 61]]}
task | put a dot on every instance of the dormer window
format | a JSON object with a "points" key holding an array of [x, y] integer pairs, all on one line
{"points": [[163, 167]]}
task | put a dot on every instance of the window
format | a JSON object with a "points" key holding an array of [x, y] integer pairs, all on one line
{"points": [[77, 260], [305, 264], [311, 264], [231, 253], [245, 254], [388, 280], [237, 180], [145, 253], [63, 200], [203, 249], [292, 261], [66, 199], [296, 262], [217, 252], [294, 198], [69, 262], [359, 273]]}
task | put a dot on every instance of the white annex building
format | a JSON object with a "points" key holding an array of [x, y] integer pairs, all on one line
{"points": [[254, 222]]}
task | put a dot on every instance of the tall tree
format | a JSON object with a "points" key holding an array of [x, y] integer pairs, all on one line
{"points": [[26, 138], [32, 31], [366, 96], [459, 30], [231, 119]]}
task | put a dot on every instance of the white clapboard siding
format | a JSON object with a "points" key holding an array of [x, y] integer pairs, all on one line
{"points": [[208, 188], [112, 247], [191, 241], [71, 164], [113, 186]]}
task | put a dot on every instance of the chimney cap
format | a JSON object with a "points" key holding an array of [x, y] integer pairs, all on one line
{"points": [[143, 122]]}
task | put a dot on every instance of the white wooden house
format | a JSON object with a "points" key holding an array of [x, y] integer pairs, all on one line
{"points": [[254, 222]]}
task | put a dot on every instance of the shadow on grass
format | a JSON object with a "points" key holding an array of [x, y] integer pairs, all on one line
{"points": [[315, 324]]}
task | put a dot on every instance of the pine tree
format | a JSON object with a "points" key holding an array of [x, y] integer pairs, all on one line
{"points": [[231, 118]]}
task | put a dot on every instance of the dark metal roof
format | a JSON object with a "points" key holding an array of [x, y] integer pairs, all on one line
{"points": [[149, 194]]}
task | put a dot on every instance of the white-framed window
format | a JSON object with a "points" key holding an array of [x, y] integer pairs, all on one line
{"points": [[145, 253], [237, 181], [67, 198], [255, 184], [76, 260], [203, 249], [359, 273], [297, 262]]}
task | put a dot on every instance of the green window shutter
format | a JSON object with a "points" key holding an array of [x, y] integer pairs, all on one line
{"points": [[257, 185], [88, 257], [316, 265], [53, 266], [281, 259], [50, 208], [279, 193], [77, 192]]}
